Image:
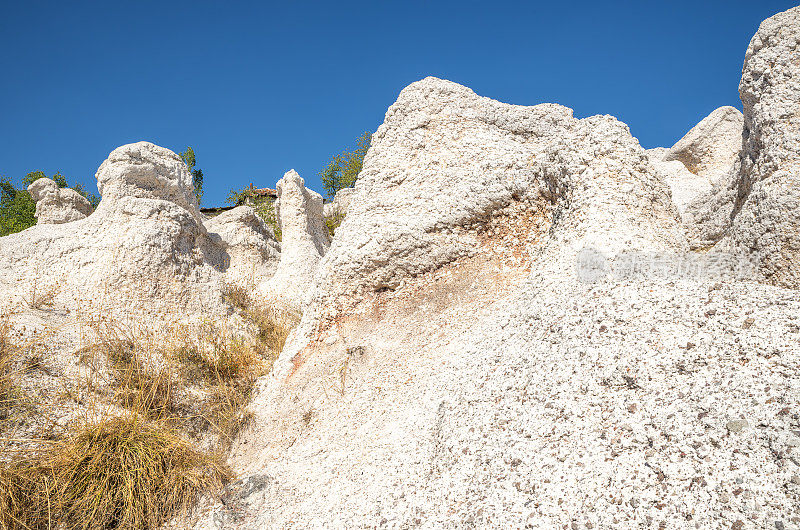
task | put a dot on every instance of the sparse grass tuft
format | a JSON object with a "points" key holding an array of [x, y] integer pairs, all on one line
{"points": [[215, 357], [226, 409], [141, 386], [238, 296], [10, 395]]}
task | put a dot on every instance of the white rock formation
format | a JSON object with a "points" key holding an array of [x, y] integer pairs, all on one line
{"points": [[340, 204], [699, 169], [56, 205], [304, 240], [451, 366], [143, 250], [711, 148], [420, 187], [685, 187], [766, 225], [452, 369], [250, 244]]}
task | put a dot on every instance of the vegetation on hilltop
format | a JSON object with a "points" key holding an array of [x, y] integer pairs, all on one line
{"points": [[190, 160], [343, 169]]}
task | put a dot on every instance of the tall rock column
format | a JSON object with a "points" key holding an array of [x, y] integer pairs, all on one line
{"points": [[304, 241], [767, 210]]}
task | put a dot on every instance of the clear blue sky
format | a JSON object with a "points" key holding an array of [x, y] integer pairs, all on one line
{"points": [[258, 88]]}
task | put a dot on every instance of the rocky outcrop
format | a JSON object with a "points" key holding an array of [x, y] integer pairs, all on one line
{"points": [[143, 250], [711, 148], [420, 187], [250, 244], [451, 361], [685, 187], [304, 240], [766, 224], [56, 205], [338, 207], [700, 170]]}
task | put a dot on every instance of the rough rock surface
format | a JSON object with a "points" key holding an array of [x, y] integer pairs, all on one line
{"points": [[143, 250], [56, 205], [711, 148], [766, 227], [702, 171], [456, 367], [340, 203], [250, 244], [304, 240], [452, 368], [446, 158], [684, 185]]}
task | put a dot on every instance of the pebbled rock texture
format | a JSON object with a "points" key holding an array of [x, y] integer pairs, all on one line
{"points": [[454, 368]]}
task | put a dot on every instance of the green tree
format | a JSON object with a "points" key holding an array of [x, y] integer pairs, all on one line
{"points": [[343, 169], [33, 176], [17, 208], [190, 160]]}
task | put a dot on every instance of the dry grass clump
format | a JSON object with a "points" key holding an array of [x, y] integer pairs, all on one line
{"points": [[121, 472], [272, 328], [215, 357], [6, 370], [140, 384], [158, 398]]}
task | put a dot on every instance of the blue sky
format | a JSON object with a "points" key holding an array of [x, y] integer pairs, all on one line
{"points": [[258, 88]]}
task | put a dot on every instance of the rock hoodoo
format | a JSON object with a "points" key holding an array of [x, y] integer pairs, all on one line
{"points": [[250, 244], [712, 147], [56, 205], [700, 162], [144, 248], [304, 240]]}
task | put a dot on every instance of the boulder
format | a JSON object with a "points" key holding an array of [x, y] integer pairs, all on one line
{"points": [[56, 205], [766, 224], [699, 170], [304, 240], [249, 242], [685, 187]]}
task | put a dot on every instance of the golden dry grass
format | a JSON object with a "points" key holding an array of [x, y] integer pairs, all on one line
{"points": [[135, 464], [120, 472]]}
